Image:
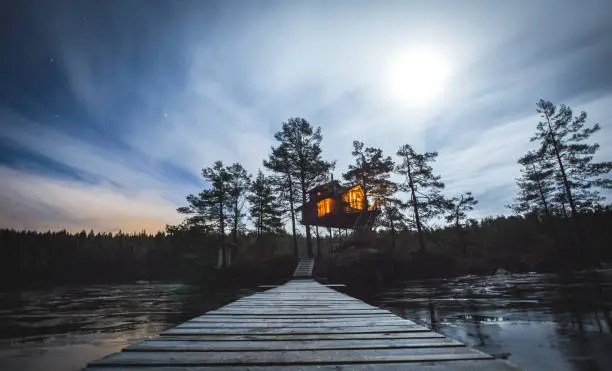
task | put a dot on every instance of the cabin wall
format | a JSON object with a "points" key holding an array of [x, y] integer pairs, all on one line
{"points": [[347, 209]]}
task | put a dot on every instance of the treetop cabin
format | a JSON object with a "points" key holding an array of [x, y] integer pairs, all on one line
{"points": [[335, 206]]}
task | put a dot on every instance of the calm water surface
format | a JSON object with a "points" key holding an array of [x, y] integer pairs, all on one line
{"points": [[62, 329], [536, 321]]}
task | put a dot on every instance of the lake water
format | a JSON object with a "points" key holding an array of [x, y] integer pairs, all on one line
{"points": [[537, 321]]}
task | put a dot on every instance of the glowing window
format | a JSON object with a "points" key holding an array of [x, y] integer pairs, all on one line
{"points": [[375, 205], [354, 198], [324, 206]]}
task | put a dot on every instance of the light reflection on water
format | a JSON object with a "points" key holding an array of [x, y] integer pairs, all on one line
{"points": [[538, 321], [64, 328]]}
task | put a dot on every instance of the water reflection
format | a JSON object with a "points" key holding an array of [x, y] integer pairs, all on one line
{"points": [[64, 328], [538, 321]]}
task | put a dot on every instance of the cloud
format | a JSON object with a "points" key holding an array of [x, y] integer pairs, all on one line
{"points": [[485, 163], [31, 201], [106, 189], [143, 103], [107, 164]]}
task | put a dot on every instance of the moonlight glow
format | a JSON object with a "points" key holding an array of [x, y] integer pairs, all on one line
{"points": [[417, 78]]}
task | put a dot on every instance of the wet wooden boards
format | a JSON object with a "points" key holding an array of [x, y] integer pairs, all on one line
{"points": [[301, 325]]}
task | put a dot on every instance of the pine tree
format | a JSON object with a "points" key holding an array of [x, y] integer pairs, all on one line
{"points": [[424, 188], [208, 209], [284, 185], [536, 185], [561, 137], [238, 185], [197, 219], [218, 207], [393, 218], [265, 214], [459, 206], [371, 170], [302, 146]]}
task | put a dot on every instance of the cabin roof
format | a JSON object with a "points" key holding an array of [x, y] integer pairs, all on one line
{"points": [[328, 187]]}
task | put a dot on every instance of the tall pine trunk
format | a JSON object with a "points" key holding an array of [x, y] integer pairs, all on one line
{"points": [[308, 235], [292, 209], [459, 231], [302, 178], [541, 192], [550, 222], [260, 221], [393, 235], [235, 222], [415, 208], [566, 184], [568, 191], [222, 233], [391, 226]]}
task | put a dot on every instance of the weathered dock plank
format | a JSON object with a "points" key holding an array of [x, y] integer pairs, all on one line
{"points": [[290, 319], [296, 312], [457, 365], [301, 325], [291, 357], [208, 345], [287, 337], [324, 324], [291, 330]]}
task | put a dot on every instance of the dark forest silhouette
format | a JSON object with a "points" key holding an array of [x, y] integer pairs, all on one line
{"points": [[558, 222]]}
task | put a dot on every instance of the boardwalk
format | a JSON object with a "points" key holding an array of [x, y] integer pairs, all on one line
{"points": [[301, 325]]}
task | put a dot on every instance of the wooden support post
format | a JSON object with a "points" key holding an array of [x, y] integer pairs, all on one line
{"points": [[331, 242], [318, 241]]}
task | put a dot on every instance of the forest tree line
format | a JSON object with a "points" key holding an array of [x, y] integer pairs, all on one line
{"points": [[558, 210], [559, 181]]}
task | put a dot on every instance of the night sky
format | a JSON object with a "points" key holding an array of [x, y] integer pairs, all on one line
{"points": [[109, 109]]}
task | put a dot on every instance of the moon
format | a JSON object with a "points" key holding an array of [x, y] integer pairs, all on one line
{"points": [[417, 77]]}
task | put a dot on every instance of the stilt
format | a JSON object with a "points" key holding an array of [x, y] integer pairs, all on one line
{"points": [[318, 241]]}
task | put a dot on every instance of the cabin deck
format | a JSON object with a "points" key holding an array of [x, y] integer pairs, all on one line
{"points": [[301, 325]]}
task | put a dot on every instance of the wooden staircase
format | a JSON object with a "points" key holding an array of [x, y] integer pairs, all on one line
{"points": [[304, 268]]}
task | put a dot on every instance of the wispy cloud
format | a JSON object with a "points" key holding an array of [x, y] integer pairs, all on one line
{"points": [[31, 201], [134, 107]]}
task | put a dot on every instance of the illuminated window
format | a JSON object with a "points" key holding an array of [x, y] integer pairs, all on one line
{"points": [[354, 198], [324, 206], [375, 205]]}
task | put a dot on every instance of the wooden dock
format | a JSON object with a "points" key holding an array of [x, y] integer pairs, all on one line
{"points": [[301, 325]]}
